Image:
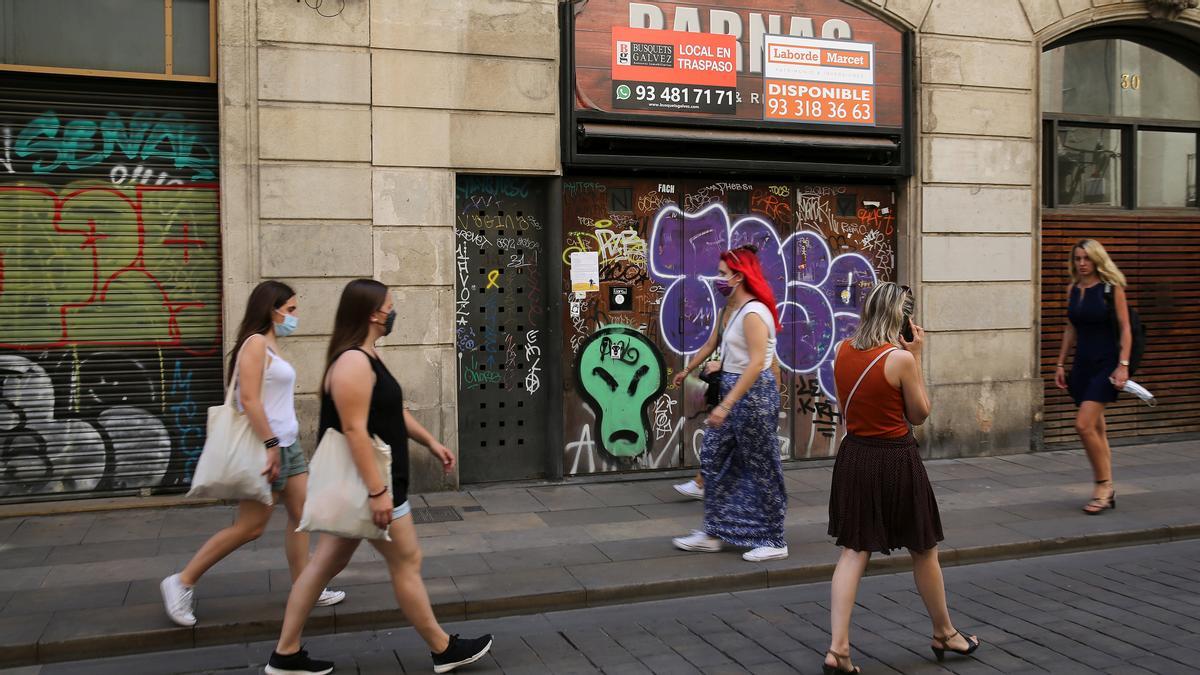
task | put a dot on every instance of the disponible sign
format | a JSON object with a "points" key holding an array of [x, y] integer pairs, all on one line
{"points": [[673, 71], [697, 61], [814, 80]]}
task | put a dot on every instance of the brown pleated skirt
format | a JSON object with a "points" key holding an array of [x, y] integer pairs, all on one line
{"points": [[880, 498]]}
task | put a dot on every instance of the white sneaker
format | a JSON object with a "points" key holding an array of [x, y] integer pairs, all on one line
{"points": [[764, 553], [690, 489], [697, 541], [330, 598], [177, 598]]}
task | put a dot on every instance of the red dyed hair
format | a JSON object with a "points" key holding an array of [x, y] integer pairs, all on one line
{"points": [[744, 260]]}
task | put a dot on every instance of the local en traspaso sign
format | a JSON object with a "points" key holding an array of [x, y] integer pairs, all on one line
{"points": [[673, 71], [822, 81], [672, 37]]}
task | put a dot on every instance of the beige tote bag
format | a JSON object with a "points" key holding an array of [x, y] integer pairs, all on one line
{"points": [[232, 462], [337, 501]]}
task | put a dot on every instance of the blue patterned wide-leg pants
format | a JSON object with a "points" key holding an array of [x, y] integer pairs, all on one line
{"points": [[745, 500]]}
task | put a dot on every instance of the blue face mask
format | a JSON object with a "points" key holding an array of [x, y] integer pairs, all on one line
{"points": [[287, 327]]}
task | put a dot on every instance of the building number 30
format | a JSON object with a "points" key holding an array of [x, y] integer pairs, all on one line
{"points": [[1131, 81]]}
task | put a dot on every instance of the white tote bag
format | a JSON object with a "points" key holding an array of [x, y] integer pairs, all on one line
{"points": [[232, 462], [337, 501]]}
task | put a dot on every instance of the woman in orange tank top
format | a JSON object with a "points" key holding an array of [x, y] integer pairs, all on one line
{"points": [[880, 498]]}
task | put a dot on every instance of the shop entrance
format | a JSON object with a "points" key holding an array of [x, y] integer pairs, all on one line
{"points": [[1120, 167], [110, 284], [638, 260]]}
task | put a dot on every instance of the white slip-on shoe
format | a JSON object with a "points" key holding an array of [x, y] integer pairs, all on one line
{"points": [[697, 541], [330, 598], [764, 553], [690, 490], [177, 598]]}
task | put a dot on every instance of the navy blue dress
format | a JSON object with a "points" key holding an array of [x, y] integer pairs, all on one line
{"points": [[1097, 348]]}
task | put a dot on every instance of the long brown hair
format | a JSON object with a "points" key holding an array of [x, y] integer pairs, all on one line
{"points": [[266, 297], [360, 299]]}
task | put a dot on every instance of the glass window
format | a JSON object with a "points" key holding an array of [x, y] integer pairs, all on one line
{"points": [[112, 36], [1166, 166], [189, 19], [98, 34], [1118, 78], [1089, 166]]}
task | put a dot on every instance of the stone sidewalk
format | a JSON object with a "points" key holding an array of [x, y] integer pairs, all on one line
{"points": [[82, 585]]}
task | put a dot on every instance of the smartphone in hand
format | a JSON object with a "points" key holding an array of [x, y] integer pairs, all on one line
{"points": [[906, 330]]}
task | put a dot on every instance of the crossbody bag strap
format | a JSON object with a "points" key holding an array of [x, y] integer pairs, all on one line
{"points": [[722, 334], [850, 396]]}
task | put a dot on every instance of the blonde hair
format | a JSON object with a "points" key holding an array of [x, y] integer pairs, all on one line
{"points": [[1106, 269], [882, 316]]}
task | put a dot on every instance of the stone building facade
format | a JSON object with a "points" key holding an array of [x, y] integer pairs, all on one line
{"points": [[343, 137], [329, 139]]}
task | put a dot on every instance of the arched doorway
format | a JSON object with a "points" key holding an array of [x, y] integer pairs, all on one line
{"points": [[1121, 140]]}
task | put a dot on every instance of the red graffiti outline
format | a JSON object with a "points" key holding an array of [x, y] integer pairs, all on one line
{"points": [[136, 266]]}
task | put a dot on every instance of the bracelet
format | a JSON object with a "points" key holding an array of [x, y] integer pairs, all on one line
{"points": [[1059, 365], [381, 493], [271, 442], [725, 407], [1124, 363]]}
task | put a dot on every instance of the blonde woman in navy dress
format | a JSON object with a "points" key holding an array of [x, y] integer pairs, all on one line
{"points": [[1100, 368]]}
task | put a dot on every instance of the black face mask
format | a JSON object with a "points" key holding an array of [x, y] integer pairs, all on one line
{"points": [[389, 323]]}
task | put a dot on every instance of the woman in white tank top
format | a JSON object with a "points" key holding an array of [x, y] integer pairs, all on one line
{"points": [[745, 500], [264, 382]]}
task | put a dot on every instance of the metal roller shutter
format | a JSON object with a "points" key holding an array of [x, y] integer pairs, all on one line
{"points": [[1159, 255], [110, 284]]}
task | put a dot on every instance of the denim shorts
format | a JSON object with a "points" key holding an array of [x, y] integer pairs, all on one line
{"points": [[401, 511], [291, 463]]}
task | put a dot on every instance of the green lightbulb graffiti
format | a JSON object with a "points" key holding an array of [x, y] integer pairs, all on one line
{"points": [[619, 372]]}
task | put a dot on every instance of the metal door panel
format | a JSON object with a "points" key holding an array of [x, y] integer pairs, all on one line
{"points": [[821, 247], [110, 284], [500, 327]]}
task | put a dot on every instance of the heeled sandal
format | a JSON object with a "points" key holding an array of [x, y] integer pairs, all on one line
{"points": [[1099, 505], [940, 652], [827, 669]]}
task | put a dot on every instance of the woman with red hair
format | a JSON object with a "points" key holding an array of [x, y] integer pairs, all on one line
{"points": [[744, 496]]}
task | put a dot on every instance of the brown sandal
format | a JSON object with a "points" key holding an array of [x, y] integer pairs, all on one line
{"points": [[827, 669]]}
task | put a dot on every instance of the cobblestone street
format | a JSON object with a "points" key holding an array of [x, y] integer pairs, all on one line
{"points": [[1125, 610]]}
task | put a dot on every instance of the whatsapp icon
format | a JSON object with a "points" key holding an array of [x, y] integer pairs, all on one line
{"points": [[623, 92]]}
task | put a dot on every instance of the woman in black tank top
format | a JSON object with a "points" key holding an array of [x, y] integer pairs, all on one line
{"points": [[360, 398], [386, 398]]}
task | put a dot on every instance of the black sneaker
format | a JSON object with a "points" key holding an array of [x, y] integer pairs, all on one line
{"points": [[297, 664], [460, 653]]}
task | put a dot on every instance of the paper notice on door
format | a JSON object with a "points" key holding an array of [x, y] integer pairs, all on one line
{"points": [[585, 271]]}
